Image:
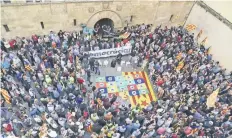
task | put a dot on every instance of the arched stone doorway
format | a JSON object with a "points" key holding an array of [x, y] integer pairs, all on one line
{"points": [[107, 14], [104, 26]]}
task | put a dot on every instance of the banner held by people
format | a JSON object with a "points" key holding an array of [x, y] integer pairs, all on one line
{"points": [[109, 52]]}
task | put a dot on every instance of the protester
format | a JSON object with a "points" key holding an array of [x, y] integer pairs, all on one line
{"points": [[44, 91]]}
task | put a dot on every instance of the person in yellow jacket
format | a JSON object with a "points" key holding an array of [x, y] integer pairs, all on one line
{"points": [[110, 134], [48, 79], [104, 129], [71, 80], [137, 109]]}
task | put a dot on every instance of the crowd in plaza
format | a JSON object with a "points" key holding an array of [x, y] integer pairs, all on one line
{"points": [[46, 89]]}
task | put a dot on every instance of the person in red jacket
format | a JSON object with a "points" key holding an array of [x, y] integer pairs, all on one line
{"points": [[70, 58], [12, 43], [7, 127], [34, 38], [80, 81], [160, 82]]}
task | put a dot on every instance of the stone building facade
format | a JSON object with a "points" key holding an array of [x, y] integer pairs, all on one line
{"points": [[24, 19]]}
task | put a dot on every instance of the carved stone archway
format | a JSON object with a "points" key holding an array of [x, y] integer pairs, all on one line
{"points": [[105, 14]]}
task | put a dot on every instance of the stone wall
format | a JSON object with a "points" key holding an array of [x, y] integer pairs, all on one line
{"points": [[217, 30], [24, 19]]}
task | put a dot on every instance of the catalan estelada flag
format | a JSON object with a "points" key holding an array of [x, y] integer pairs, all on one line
{"points": [[180, 65], [190, 27], [143, 93], [212, 98], [6, 96], [28, 67]]}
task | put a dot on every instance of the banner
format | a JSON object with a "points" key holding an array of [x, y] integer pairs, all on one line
{"points": [[125, 50], [212, 99]]}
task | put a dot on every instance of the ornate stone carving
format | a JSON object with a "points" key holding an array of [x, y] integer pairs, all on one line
{"points": [[119, 7], [105, 5], [91, 9]]}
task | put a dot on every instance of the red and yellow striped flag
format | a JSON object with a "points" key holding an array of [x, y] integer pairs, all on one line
{"points": [[143, 99], [190, 27], [125, 35], [179, 56], [28, 67], [6, 96]]}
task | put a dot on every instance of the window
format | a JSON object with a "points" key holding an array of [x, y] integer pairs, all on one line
{"points": [[47, 1], [6, 28], [6, 1], [29, 1], [38, 1], [42, 25], [75, 22]]}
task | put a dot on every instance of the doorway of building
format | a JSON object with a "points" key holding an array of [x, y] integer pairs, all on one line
{"points": [[104, 26]]}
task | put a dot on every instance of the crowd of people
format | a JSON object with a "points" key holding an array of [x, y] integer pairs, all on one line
{"points": [[46, 88]]}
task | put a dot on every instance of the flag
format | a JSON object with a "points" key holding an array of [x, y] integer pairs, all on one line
{"points": [[190, 27], [6, 96], [180, 65], [199, 34], [125, 35], [179, 56], [28, 67], [204, 41], [212, 99], [207, 50], [137, 96]]}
